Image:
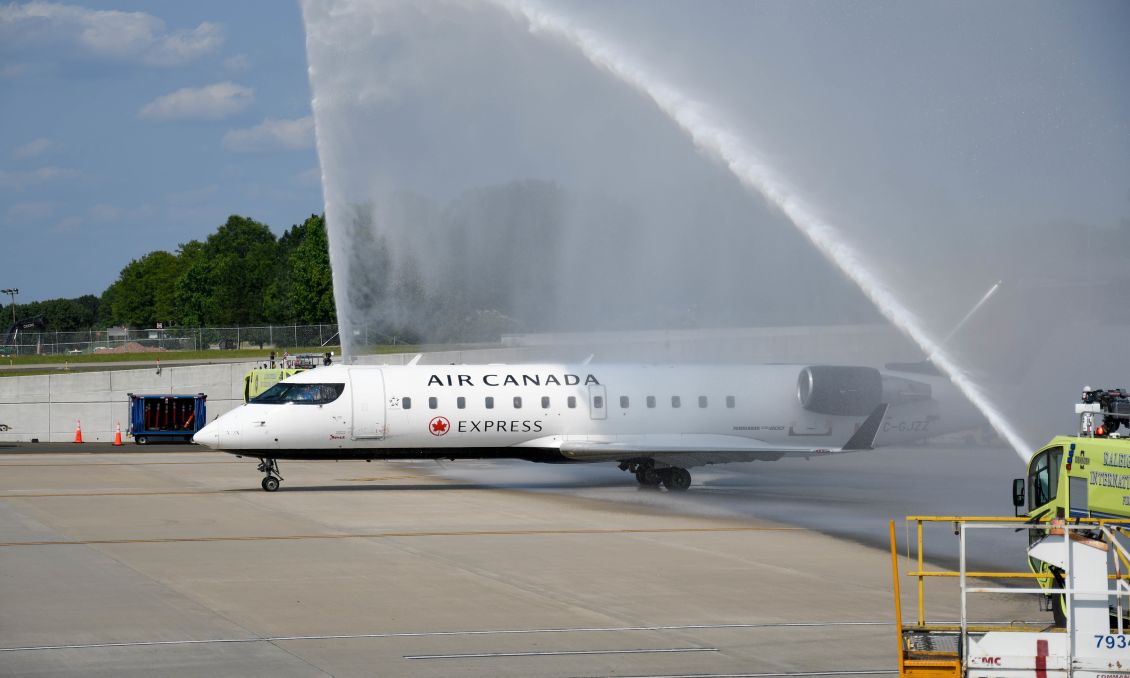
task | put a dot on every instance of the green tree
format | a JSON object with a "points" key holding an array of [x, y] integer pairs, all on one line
{"points": [[226, 282], [311, 290], [144, 293], [60, 315]]}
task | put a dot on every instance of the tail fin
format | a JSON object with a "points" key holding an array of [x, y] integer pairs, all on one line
{"points": [[864, 437]]}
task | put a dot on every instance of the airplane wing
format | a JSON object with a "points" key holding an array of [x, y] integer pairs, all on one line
{"points": [[689, 450]]}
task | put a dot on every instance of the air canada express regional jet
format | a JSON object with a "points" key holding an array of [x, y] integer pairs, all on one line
{"points": [[654, 421]]}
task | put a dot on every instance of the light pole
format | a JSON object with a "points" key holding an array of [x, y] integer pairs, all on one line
{"points": [[12, 292]]}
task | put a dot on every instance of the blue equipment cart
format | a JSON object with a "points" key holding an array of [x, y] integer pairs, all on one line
{"points": [[166, 417]]}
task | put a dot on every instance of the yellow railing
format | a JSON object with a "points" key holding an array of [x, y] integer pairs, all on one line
{"points": [[921, 573]]}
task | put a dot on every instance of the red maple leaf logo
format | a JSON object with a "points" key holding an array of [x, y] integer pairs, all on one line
{"points": [[439, 426]]}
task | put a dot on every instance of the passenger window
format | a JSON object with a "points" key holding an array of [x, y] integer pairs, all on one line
{"points": [[676, 401], [598, 402], [433, 402], [545, 402], [702, 401], [571, 402], [651, 402], [624, 402], [517, 402], [406, 403], [490, 402], [461, 402], [730, 402]]}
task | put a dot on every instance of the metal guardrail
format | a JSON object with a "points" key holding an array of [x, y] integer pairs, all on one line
{"points": [[173, 339], [920, 646]]}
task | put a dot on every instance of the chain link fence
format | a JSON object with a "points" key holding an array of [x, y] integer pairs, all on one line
{"points": [[117, 340]]}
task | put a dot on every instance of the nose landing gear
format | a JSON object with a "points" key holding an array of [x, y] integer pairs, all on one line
{"points": [[675, 479], [271, 468]]}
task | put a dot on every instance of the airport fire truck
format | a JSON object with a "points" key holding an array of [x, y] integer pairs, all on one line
{"points": [[1082, 476], [1074, 504]]}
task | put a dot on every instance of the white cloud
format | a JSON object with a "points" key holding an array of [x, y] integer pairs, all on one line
{"points": [[67, 225], [16, 70], [25, 212], [112, 34], [272, 135], [103, 213], [237, 63], [33, 149], [211, 102], [20, 180], [310, 177], [192, 195]]}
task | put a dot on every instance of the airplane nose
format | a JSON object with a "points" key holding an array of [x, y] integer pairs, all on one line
{"points": [[209, 436]]}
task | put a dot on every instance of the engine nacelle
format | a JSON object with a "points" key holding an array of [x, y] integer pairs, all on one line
{"points": [[840, 390]]}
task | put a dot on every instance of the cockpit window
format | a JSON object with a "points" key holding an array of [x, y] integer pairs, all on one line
{"points": [[304, 394]]}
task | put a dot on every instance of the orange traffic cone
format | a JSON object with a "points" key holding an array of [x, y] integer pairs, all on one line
{"points": [[78, 431], [118, 435]]}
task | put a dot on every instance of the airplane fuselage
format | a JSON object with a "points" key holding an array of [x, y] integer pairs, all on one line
{"points": [[555, 413]]}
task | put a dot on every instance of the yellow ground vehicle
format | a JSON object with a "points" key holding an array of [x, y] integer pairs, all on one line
{"points": [[1082, 476], [262, 378]]}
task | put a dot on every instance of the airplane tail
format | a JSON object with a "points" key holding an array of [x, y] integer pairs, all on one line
{"points": [[864, 436]]}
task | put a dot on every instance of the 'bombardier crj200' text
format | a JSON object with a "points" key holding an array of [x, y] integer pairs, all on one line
{"points": [[654, 421]]}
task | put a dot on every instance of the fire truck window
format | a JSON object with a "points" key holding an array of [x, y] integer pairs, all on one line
{"points": [[1044, 478]]}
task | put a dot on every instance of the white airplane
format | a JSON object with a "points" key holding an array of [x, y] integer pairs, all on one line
{"points": [[655, 421]]}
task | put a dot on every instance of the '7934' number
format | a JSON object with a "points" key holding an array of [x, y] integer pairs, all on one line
{"points": [[1112, 642]]}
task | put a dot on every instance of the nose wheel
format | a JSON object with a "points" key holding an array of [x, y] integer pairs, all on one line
{"points": [[271, 468]]}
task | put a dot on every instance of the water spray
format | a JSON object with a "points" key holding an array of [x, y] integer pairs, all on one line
{"points": [[748, 165]]}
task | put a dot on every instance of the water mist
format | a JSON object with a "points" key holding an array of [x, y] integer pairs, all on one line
{"points": [[702, 125]]}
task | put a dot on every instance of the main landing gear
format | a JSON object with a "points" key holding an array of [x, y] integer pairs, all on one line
{"points": [[271, 468], [675, 479]]}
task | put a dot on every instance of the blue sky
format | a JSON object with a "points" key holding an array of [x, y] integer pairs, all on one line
{"points": [[127, 127]]}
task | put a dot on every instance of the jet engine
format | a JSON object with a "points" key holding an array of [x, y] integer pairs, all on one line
{"points": [[840, 390]]}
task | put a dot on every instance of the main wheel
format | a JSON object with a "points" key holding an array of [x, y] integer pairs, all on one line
{"points": [[140, 440], [648, 477], [270, 483], [677, 479]]}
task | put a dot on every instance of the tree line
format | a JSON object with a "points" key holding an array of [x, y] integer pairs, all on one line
{"points": [[240, 275]]}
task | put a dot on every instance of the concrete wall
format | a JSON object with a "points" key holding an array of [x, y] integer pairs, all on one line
{"points": [[47, 407]]}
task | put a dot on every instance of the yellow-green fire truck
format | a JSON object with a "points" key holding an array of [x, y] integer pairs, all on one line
{"points": [[262, 378], [1082, 476]]}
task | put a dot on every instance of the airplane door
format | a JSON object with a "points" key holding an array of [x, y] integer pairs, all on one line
{"points": [[368, 392], [598, 404]]}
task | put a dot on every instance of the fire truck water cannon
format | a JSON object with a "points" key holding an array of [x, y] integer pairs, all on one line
{"points": [[1112, 404]]}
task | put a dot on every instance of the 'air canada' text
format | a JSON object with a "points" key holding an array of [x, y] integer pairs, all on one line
{"points": [[513, 380]]}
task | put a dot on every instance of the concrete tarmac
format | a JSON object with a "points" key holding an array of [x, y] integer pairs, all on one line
{"points": [[175, 563]]}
